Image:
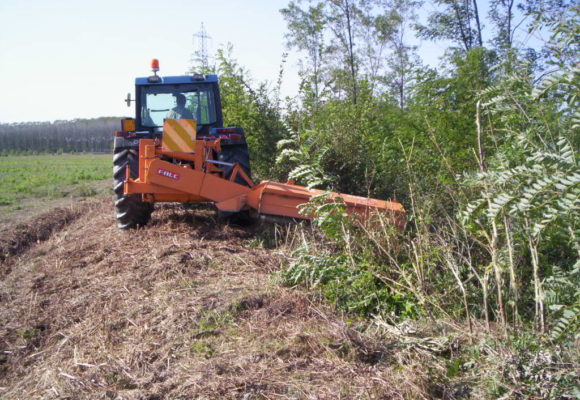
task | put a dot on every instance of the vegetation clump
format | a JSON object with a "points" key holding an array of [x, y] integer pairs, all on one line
{"points": [[483, 154]]}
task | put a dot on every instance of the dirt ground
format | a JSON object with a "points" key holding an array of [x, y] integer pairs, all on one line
{"points": [[186, 308]]}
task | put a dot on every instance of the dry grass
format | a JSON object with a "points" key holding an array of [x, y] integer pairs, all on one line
{"points": [[183, 309], [18, 239]]}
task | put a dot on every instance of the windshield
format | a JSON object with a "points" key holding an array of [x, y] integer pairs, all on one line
{"points": [[177, 102]]}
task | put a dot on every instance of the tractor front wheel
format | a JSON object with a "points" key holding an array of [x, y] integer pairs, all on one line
{"points": [[131, 211]]}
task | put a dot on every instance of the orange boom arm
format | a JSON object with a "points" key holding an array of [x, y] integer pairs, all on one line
{"points": [[198, 178]]}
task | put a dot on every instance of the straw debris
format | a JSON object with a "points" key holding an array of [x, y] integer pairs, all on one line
{"points": [[181, 309]]}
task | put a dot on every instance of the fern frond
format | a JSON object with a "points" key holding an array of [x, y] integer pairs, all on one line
{"points": [[569, 323]]}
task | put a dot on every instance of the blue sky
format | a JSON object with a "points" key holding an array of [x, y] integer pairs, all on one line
{"points": [[64, 59]]}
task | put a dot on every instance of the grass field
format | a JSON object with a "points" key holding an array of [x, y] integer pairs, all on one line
{"points": [[51, 176]]}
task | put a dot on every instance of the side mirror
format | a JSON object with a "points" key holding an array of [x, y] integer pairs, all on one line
{"points": [[128, 100]]}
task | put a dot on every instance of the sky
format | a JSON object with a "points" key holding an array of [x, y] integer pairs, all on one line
{"points": [[66, 59]]}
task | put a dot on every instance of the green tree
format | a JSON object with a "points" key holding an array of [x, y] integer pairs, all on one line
{"points": [[403, 62], [457, 21], [306, 33], [254, 108]]}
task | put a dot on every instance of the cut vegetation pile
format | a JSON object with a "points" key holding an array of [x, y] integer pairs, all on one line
{"points": [[16, 241], [185, 308]]}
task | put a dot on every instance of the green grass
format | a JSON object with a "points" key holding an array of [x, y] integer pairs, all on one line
{"points": [[51, 176]]}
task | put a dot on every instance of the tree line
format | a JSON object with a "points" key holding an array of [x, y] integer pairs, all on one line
{"points": [[80, 135]]}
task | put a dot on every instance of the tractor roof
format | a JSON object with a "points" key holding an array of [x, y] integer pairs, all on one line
{"points": [[171, 80]]}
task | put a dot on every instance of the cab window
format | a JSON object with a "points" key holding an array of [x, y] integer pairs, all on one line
{"points": [[158, 101]]}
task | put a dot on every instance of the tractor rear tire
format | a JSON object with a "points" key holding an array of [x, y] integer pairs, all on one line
{"points": [[236, 154], [131, 211]]}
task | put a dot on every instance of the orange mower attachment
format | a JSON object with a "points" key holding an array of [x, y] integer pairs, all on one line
{"points": [[178, 176]]}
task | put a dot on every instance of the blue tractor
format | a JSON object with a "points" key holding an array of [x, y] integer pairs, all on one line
{"points": [[158, 97]]}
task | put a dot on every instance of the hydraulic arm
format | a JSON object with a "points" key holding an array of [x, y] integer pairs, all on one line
{"points": [[178, 176]]}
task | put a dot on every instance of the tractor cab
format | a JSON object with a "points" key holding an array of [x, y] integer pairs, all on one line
{"points": [[177, 97]]}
